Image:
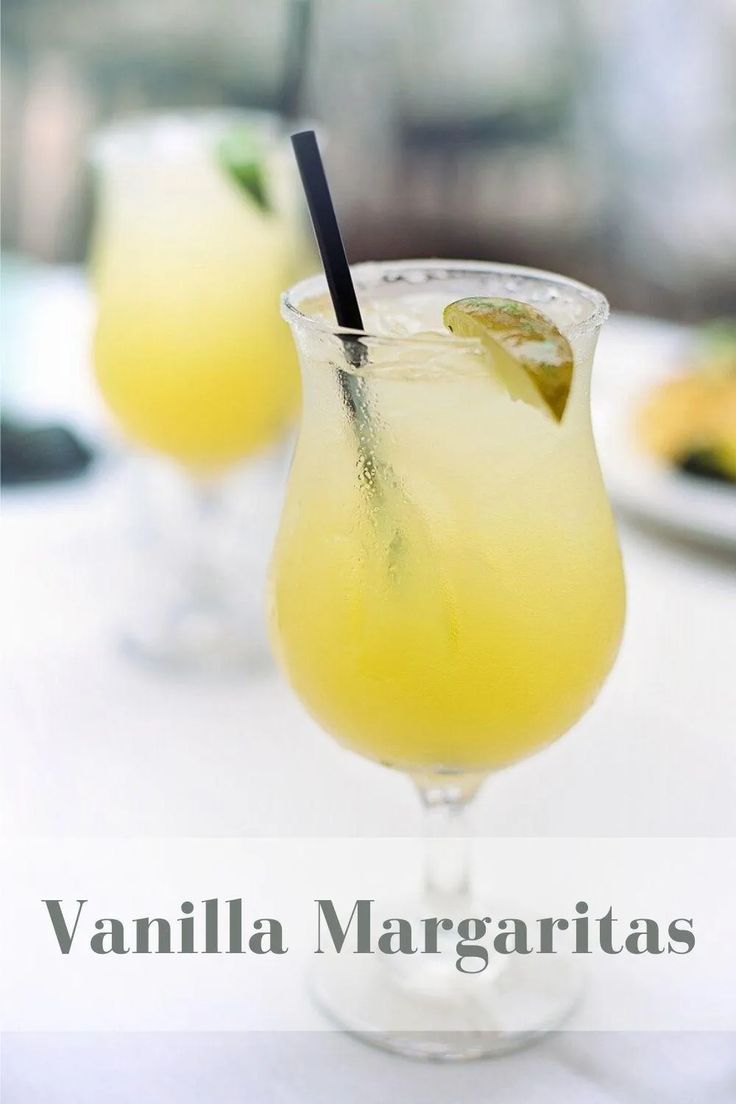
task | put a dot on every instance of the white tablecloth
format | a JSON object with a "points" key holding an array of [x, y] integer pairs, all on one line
{"points": [[94, 745]]}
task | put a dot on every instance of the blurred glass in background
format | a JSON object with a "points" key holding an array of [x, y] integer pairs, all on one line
{"points": [[196, 234]]}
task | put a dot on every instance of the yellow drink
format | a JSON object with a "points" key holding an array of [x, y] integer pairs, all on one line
{"points": [[463, 609], [190, 352]]}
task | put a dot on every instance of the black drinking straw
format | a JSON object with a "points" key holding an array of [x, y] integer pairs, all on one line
{"points": [[326, 230], [335, 263], [375, 474]]}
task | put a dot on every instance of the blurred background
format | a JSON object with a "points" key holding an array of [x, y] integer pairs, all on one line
{"points": [[594, 139]]}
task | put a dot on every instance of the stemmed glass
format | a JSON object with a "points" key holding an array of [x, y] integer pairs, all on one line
{"points": [[446, 596], [197, 229]]}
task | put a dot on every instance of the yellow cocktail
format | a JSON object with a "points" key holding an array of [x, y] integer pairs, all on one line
{"points": [[461, 607], [190, 353]]}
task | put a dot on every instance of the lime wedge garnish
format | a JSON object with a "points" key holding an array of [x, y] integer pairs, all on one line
{"points": [[242, 158], [530, 355]]}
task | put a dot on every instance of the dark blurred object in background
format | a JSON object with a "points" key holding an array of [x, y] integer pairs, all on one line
{"points": [[40, 454], [596, 139]]}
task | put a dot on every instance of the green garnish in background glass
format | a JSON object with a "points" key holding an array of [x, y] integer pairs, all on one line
{"points": [[241, 156]]}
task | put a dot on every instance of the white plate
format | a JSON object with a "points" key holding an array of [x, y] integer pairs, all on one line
{"points": [[634, 354]]}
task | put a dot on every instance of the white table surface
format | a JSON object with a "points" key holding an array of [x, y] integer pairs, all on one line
{"points": [[94, 745]]}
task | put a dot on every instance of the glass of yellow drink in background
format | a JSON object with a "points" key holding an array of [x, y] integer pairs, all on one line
{"points": [[447, 593], [196, 234]]}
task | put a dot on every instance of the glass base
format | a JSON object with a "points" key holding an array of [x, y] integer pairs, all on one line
{"points": [[428, 1010], [191, 637], [197, 571]]}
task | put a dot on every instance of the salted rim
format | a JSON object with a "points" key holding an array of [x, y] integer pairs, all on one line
{"points": [[376, 270]]}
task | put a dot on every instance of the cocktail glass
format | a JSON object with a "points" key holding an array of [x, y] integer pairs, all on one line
{"points": [[447, 594], [188, 259]]}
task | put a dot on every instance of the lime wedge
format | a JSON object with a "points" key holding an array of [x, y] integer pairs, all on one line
{"points": [[240, 155], [532, 357]]}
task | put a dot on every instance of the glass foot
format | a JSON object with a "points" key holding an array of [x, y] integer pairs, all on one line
{"points": [[198, 638], [427, 1009], [197, 569]]}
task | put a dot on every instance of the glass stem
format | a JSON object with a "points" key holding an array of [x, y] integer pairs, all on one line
{"points": [[447, 875], [205, 524]]}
